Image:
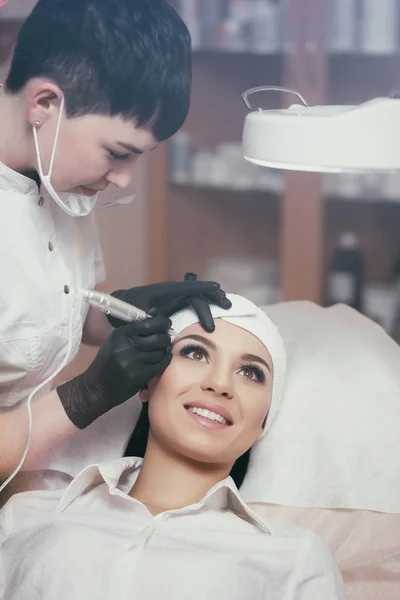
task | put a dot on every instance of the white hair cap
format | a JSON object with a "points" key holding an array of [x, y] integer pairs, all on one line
{"points": [[248, 316]]}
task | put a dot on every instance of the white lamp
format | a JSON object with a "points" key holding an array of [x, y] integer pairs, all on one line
{"points": [[363, 138]]}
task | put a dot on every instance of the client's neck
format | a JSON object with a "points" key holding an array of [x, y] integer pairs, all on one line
{"points": [[167, 481]]}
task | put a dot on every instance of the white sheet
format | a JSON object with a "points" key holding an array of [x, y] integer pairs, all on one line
{"points": [[335, 442]]}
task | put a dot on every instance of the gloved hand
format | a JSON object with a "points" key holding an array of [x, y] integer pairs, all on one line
{"points": [[130, 357], [170, 297]]}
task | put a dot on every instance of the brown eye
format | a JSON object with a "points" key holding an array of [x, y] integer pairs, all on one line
{"points": [[253, 373], [248, 373], [196, 355]]}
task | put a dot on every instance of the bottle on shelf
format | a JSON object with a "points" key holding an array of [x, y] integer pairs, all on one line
{"points": [[212, 15], [379, 23], [189, 10], [346, 273], [265, 27], [342, 26], [180, 157]]}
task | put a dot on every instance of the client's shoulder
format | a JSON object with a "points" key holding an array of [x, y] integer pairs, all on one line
{"points": [[25, 510], [33, 501], [297, 536]]}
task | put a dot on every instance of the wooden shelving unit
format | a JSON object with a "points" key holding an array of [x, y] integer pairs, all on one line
{"points": [[191, 224]]}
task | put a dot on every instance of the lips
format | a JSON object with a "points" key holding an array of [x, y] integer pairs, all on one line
{"points": [[212, 407]]}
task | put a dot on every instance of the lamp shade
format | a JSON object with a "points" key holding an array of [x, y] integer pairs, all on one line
{"points": [[364, 138]]}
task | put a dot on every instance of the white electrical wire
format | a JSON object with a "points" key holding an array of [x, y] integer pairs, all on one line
{"points": [[32, 394]]}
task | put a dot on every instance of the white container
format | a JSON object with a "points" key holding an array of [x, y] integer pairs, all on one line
{"points": [[392, 187], [342, 25], [180, 157], [330, 184], [373, 187], [189, 10], [380, 304], [349, 186], [265, 27], [379, 20], [219, 173], [201, 167]]}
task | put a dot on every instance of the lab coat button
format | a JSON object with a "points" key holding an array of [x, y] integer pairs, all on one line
{"points": [[51, 246], [41, 201], [66, 289]]}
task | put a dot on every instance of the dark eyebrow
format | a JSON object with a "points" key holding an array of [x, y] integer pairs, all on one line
{"points": [[257, 359], [199, 338], [131, 148], [134, 149], [207, 342]]}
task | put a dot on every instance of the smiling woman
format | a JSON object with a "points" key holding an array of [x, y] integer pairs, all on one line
{"points": [[173, 524], [219, 394]]}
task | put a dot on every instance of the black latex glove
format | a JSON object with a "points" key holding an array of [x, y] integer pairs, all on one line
{"points": [[130, 357], [170, 297]]}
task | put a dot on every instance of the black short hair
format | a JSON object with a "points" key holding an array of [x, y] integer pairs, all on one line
{"points": [[138, 442], [130, 58]]}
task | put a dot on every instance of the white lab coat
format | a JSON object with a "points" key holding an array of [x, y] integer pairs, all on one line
{"points": [[46, 257]]}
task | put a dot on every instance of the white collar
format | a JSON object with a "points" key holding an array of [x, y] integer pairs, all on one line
{"points": [[120, 475], [13, 181]]}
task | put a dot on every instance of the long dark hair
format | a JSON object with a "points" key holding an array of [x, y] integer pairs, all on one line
{"points": [[138, 442]]}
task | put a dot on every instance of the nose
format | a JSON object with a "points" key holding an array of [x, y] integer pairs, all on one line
{"points": [[219, 382], [121, 176]]}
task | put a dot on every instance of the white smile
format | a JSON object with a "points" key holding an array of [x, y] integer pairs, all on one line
{"points": [[207, 414]]}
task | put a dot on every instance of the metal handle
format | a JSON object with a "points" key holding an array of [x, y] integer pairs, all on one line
{"points": [[262, 88]]}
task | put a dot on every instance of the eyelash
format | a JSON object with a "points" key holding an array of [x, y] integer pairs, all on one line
{"points": [[258, 372], [117, 156]]}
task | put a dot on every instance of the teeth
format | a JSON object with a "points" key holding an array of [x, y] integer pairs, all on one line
{"points": [[207, 414]]}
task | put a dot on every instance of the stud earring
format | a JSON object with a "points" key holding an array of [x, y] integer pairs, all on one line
{"points": [[37, 123]]}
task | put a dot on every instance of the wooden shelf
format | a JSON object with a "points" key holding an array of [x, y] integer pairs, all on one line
{"points": [[352, 202], [222, 190], [361, 202], [212, 52], [331, 55]]}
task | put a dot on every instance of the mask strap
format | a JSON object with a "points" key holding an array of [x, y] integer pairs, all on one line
{"points": [[53, 153]]}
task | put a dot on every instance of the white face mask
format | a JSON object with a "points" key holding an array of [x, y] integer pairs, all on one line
{"points": [[76, 205]]}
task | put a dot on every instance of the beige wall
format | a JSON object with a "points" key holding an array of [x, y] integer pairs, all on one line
{"points": [[123, 232], [16, 9]]}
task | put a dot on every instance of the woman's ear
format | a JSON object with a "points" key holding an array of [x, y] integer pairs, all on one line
{"points": [[43, 99], [143, 395], [262, 429]]}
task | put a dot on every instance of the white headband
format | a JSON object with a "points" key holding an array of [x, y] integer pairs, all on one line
{"points": [[253, 319]]}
